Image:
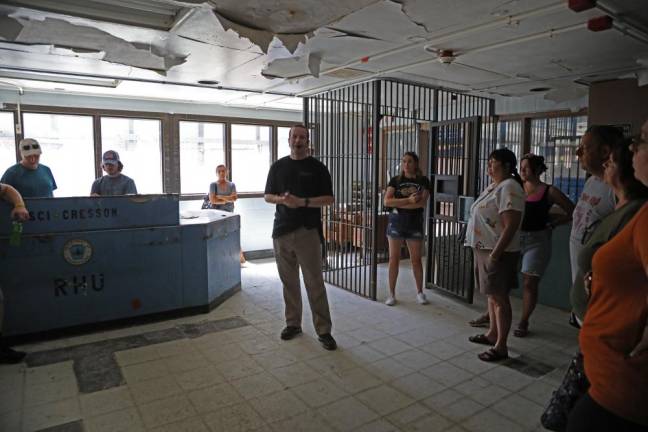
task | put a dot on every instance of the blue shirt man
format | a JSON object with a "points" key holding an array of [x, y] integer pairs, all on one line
{"points": [[29, 177]]}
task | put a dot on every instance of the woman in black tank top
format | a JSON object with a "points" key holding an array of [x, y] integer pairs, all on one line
{"points": [[535, 237]]}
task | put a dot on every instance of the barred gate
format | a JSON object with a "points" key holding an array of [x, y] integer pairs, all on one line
{"points": [[360, 133]]}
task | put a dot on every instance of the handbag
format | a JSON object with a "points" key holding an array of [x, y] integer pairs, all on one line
{"points": [[206, 205], [573, 386]]}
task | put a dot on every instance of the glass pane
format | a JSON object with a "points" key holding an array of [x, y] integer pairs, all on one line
{"points": [[7, 141], [557, 140], [510, 136], [283, 149], [68, 150], [202, 148], [138, 143], [250, 157]]}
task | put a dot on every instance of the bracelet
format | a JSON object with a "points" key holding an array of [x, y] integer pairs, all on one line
{"points": [[19, 205], [306, 202]]}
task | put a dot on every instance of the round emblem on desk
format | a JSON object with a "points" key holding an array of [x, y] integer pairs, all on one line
{"points": [[77, 252]]}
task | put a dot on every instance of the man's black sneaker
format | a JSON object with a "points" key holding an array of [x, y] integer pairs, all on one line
{"points": [[9, 356], [290, 332], [327, 341]]}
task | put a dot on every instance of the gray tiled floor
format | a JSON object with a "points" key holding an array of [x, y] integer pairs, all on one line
{"points": [[406, 368]]}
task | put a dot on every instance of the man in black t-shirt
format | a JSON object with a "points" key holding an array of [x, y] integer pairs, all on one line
{"points": [[300, 185]]}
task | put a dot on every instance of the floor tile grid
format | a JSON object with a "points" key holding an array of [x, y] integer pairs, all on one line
{"points": [[387, 332]]}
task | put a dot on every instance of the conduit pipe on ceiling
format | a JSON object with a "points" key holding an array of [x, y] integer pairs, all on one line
{"points": [[440, 39], [509, 42], [621, 23], [18, 127]]}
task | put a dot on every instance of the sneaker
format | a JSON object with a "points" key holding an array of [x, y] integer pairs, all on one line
{"points": [[9, 356], [421, 299], [290, 332], [391, 301], [327, 341]]}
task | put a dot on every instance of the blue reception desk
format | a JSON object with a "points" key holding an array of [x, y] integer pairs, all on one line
{"points": [[93, 260]]}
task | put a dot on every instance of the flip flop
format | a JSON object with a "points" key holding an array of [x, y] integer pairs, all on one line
{"points": [[482, 321], [521, 331], [492, 356], [480, 339]]}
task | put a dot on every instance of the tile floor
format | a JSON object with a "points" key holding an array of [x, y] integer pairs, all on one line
{"points": [[403, 368]]}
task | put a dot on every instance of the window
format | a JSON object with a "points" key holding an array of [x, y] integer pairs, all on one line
{"points": [[7, 141], [283, 149], [557, 140], [138, 143], [509, 135], [202, 148], [250, 157], [68, 150]]}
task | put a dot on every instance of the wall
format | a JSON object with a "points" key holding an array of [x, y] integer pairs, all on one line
{"points": [[619, 102], [556, 282]]}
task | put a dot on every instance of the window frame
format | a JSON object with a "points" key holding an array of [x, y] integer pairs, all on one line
{"points": [[170, 137]]}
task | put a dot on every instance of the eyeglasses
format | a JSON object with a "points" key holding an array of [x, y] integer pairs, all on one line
{"points": [[26, 147], [637, 142]]}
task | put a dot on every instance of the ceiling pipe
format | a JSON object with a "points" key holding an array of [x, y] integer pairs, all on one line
{"points": [[548, 33], [444, 37], [18, 127], [623, 24], [140, 80]]}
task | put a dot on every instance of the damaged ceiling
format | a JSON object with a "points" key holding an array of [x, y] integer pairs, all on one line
{"points": [[228, 51]]}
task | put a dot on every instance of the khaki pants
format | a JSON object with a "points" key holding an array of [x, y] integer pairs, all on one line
{"points": [[302, 248]]}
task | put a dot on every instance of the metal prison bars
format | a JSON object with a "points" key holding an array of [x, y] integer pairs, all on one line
{"points": [[557, 139], [360, 133]]}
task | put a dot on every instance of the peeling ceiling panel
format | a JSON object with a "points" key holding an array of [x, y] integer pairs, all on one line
{"points": [[384, 20], [297, 40], [450, 15], [291, 21], [156, 14], [337, 48], [458, 73], [581, 52], [517, 30], [203, 27], [293, 67], [63, 34], [287, 16]]}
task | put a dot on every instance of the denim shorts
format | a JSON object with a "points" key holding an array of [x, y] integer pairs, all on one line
{"points": [[405, 226], [536, 251]]}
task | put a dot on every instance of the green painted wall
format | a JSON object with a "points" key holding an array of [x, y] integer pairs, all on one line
{"points": [[556, 283]]}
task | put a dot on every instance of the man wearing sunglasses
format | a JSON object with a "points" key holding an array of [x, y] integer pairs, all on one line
{"points": [[30, 177]]}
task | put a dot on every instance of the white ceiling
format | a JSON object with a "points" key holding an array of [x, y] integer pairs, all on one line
{"points": [[502, 48]]}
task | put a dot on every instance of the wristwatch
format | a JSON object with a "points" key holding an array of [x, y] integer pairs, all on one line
{"points": [[306, 202]]}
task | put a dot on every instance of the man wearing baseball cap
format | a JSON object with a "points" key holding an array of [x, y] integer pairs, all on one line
{"points": [[31, 178], [114, 182]]}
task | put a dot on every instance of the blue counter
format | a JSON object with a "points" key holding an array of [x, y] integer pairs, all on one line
{"points": [[138, 260]]}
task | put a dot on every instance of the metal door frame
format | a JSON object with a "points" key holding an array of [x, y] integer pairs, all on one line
{"points": [[468, 182]]}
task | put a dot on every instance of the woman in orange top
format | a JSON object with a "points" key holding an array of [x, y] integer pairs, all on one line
{"points": [[614, 337]]}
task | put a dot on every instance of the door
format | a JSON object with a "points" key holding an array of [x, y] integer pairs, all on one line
{"points": [[453, 169]]}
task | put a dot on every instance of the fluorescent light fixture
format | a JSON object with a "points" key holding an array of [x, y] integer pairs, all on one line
{"points": [[154, 14], [59, 78]]}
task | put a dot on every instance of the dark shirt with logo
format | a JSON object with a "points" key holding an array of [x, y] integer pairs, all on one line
{"points": [[404, 187], [305, 178]]}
